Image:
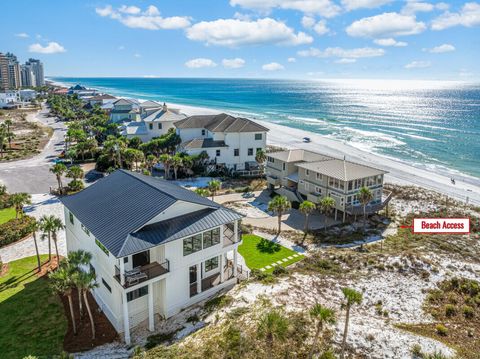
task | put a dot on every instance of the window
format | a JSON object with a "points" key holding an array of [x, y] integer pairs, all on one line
{"points": [[211, 264], [217, 153], [85, 229], [307, 173], [102, 247], [284, 166], [159, 126], [192, 244], [318, 190], [125, 259], [211, 238], [71, 218], [203, 132], [150, 126], [137, 293], [236, 152], [271, 159], [106, 285], [258, 136], [319, 176], [140, 259], [250, 152]]}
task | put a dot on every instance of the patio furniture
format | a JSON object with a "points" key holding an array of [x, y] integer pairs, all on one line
{"points": [[135, 278]]}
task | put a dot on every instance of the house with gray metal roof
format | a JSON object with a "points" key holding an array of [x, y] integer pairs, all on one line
{"points": [[230, 142], [302, 175], [156, 247]]}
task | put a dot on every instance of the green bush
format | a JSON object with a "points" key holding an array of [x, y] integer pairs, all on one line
{"points": [[75, 185], [279, 271], [15, 229], [468, 312], [450, 310], [441, 329], [157, 339]]}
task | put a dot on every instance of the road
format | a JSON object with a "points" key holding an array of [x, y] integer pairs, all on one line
{"points": [[32, 175]]}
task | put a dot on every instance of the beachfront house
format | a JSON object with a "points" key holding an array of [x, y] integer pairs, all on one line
{"points": [[305, 175], [102, 100], [155, 120], [157, 248], [124, 110], [230, 142]]}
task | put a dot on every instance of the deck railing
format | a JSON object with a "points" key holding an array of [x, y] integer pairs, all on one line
{"points": [[143, 273]]}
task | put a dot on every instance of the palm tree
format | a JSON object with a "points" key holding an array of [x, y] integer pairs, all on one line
{"points": [[62, 283], [19, 200], [85, 282], [3, 136], [327, 204], [323, 316], [59, 169], [272, 324], [364, 196], [202, 192], [260, 157], [214, 186], [75, 172], [352, 297], [177, 162], [76, 259], [279, 205], [306, 207], [166, 160], [150, 161], [34, 227], [50, 226], [9, 134]]}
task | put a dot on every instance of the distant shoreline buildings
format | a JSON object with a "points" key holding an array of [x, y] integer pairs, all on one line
{"points": [[14, 75]]}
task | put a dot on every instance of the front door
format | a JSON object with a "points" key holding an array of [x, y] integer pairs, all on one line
{"points": [[140, 259]]}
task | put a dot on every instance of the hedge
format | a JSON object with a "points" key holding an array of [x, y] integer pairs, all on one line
{"points": [[15, 230]]}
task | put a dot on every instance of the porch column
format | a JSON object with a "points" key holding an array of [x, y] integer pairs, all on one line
{"points": [[151, 318], [235, 229], [235, 262], [222, 274], [126, 319], [336, 213], [199, 279], [122, 272]]}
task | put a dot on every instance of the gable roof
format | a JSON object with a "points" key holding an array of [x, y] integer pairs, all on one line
{"points": [[162, 115], [103, 97], [298, 155], [150, 104], [123, 202], [221, 123], [341, 169], [123, 102]]}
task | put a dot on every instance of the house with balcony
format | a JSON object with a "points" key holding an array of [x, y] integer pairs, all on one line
{"points": [[230, 142], [305, 175], [157, 248], [124, 110]]}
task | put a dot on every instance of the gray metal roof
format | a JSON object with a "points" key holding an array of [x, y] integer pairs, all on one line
{"points": [[176, 228], [221, 123], [341, 169], [203, 143], [123, 202], [162, 115], [298, 155]]}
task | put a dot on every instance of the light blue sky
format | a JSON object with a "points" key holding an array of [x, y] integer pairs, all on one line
{"points": [[247, 38]]}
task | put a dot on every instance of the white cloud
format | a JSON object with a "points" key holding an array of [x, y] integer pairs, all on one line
{"points": [[51, 48], [273, 66], [199, 63], [414, 6], [390, 42], [150, 19], [325, 8], [233, 63], [468, 16], [234, 32], [441, 49], [346, 61], [121, 47], [343, 53], [369, 4], [308, 21], [418, 65], [388, 24], [137, 55], [292, 59], [22, 34], [321, 27]]}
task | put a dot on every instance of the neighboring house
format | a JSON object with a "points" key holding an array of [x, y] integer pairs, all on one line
{"points": [[155, 120], [157, 247], [304, 175], [27, 95], [124, 111], [10, 99], [230, 142], [102, 100]]}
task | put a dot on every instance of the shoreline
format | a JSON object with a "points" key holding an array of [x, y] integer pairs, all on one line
{"points": [[399, 172]]}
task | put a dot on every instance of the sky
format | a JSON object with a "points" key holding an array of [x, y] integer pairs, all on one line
{"points": [[303, 39]]}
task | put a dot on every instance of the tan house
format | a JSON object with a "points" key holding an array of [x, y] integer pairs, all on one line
{"points": [[304, 175]]}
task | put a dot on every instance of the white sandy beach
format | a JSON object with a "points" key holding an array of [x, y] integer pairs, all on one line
{"points": [[399, 172]]}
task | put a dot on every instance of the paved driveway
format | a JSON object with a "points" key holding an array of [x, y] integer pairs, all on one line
{"points": [[32, 175]]}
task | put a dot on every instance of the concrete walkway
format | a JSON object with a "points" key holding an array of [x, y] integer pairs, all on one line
{"points": [[42, 204]]}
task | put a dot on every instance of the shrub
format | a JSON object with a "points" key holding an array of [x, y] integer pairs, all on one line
{"points": [[450, 310], [441, 329], [218, 303], [193, 318], [154, 340], [417, 351], [468, 311], [15, 229], [75, 185], [279, 270], [327, 355], [246, 228]]}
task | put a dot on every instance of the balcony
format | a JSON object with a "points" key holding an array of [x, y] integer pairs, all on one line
{"points": [[314, 197], [229, 234], [372, 207], [213, 280], [273, 180], [142, 274]]}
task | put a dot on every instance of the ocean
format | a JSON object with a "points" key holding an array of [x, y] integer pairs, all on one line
{"points": [[429, 124]]}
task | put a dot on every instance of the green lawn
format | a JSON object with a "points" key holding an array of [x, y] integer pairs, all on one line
{"points": [[6, 214], [259, 252], [32, 319]]}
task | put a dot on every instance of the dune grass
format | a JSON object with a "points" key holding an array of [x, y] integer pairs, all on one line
{"points": [[32, 317]]}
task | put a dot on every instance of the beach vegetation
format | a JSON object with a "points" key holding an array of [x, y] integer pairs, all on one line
{"points": [[326, 206], [279, 205], [352, 297], [214, 186]]}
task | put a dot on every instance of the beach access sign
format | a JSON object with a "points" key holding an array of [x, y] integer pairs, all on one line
{"points": [[441, 225]]}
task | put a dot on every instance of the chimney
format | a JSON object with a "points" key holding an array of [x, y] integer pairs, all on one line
{"points": [[164, 107]]}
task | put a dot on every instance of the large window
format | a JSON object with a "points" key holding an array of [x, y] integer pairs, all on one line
{"points": [[192, 244], [71, 217], [211, 238], [137, 293], [106, 285], [102, 247], [258, 136], [211, 264], [250, 152]]}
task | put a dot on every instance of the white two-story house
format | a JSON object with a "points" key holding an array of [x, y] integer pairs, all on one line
{"points": [[229, 141], [157, 248]]}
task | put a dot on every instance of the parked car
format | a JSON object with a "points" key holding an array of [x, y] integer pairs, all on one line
{"points": [[306, 139]]}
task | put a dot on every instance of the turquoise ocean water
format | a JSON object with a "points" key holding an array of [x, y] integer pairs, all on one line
{"points": [[430, 124]]}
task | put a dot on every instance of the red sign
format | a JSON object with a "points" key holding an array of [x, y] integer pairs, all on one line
{"points": [[441, 225]]}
